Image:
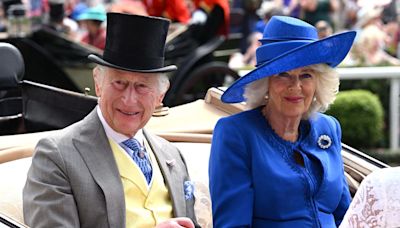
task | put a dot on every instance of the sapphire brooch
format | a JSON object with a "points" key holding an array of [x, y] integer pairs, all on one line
{"points": [[324, 141]]}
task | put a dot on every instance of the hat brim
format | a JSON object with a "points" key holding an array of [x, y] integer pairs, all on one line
{"points": [[99, 60], [91, 17], [331, 50]]}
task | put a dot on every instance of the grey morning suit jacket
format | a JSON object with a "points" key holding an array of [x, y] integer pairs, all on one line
{"points": [[74, 179]]}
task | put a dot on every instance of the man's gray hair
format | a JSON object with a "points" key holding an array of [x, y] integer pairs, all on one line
{"points": [[325, 94]]}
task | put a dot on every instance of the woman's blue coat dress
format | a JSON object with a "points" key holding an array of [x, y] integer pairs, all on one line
{"points": [[255, 180]]}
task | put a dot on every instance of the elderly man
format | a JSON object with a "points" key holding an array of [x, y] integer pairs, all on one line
{"points": [[106, 170]]}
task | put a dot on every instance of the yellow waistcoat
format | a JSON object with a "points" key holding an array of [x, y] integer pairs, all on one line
{"points": [[146, 205]]}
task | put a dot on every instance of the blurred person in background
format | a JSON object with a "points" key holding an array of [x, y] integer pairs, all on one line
{"points": [[316, 10], [77, 10], [249, 19], [175, 10], [369, 49], [371, 42], [40, 10], [5, 8], [57, 20], [391, 26], [324, 29], [266, 11], [248, 58], [3, 26], [215, 20], [370, 15], [289, 7], [128, 6], [92, 20], [392, 29], [348, 14]]}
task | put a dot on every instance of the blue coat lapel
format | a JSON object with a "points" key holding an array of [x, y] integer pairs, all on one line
{"points": [[328, 157]]}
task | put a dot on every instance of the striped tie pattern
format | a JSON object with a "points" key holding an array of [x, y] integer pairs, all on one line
{"points": [[139, 156]]}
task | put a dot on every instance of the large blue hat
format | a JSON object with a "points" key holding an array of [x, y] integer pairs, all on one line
{"points": [[289, 43]]}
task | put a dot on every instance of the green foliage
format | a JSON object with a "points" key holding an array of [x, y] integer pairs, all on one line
{"points": [[380, 87], [360, 114], [389, 157]]}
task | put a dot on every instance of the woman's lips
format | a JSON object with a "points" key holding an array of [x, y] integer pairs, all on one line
{"points": [[294, 99]]}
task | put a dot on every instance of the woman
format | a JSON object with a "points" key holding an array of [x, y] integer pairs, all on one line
{"points": [[216, 15], [279, 164], [377, 201], [92, 20], [370, 49]]}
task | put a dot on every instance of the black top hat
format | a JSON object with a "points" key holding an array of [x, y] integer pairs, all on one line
{"points": [[7, 3], [56, 11], [135, 43]]}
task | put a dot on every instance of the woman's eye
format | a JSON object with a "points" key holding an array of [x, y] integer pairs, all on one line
{"points": [[284, 75], [305, 76]]}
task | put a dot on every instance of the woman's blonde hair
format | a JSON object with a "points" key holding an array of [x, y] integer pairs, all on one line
{"points": [[325, 94]]}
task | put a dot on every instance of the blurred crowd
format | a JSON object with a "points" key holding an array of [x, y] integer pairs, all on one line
{"points": [[376, 22], [85, 20]]}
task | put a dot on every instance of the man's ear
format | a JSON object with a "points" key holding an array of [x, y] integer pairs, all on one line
{"points": [[97, 77], [160, 99], [162, 95]]}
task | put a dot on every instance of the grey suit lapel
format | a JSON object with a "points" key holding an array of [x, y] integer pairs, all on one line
{"points": [[164, 159], [92, 143]]}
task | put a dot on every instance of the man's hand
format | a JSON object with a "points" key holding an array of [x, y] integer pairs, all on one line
{"points": [[176, 222]]}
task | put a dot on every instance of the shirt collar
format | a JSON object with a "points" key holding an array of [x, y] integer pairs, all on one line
{"points": [[111, 133]]}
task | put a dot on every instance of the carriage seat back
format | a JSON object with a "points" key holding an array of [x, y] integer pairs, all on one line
{"points": [[11, 65]]}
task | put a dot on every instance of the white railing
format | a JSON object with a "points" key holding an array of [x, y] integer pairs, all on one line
{"points": [[391, 73]]}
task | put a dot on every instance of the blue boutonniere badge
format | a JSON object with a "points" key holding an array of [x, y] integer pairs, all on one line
{"points": [[188, 188], [324, 141]]}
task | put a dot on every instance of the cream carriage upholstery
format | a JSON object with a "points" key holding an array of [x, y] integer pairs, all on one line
{"points": [[188, 126]]}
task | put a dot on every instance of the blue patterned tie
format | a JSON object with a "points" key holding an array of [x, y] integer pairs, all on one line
{"points": [[139, 156]]}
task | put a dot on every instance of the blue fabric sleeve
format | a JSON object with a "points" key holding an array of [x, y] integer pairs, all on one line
{"points": [[230, 176], [346, 197], [343, 204]]}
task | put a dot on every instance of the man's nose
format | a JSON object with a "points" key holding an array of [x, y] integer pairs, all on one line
{"points": [[130, 95]]}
